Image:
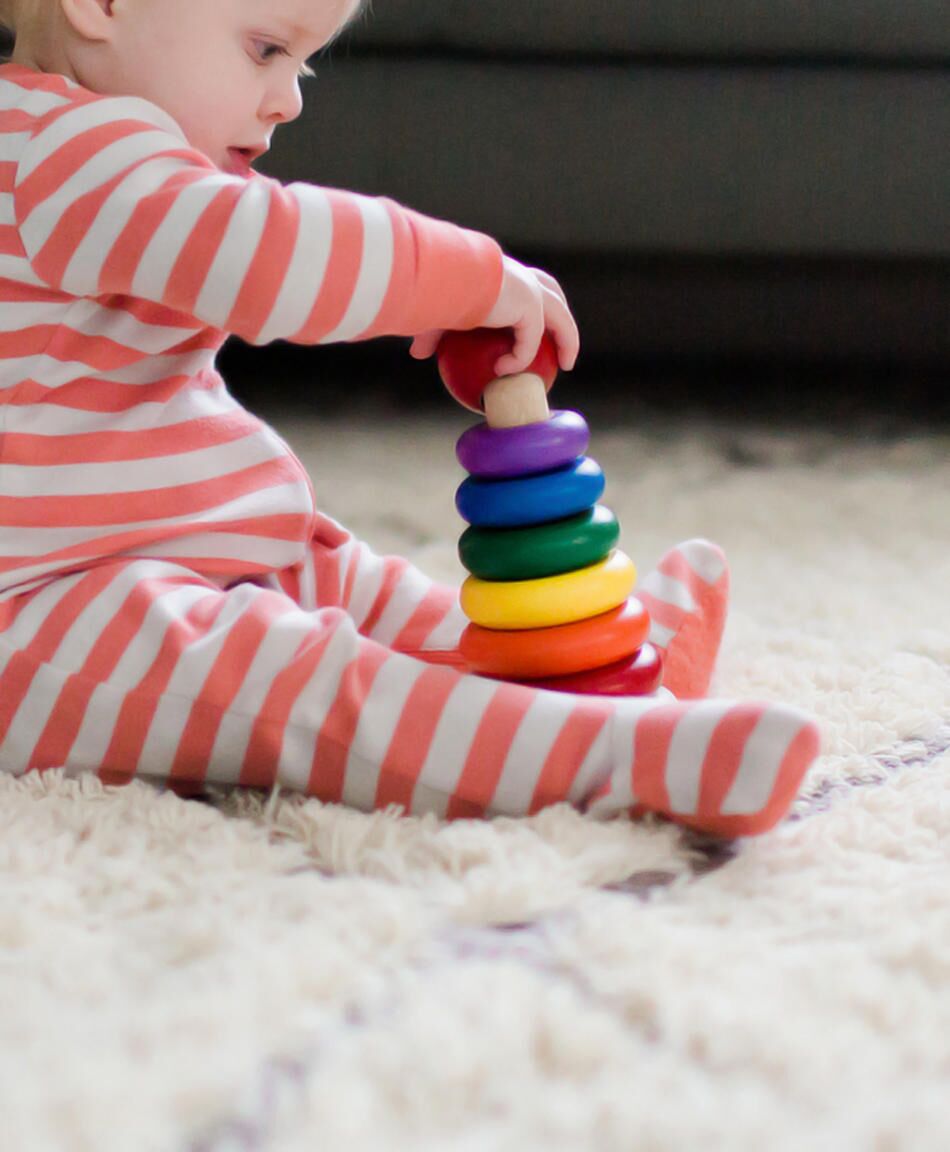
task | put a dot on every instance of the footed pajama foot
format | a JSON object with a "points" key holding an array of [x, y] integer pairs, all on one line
{"points": [[687, 598], [718, 766]]}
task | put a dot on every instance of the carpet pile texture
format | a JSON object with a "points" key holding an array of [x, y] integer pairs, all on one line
{"points": [[263, 972]]}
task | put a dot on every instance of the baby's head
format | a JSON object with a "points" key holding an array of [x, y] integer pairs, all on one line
{"points": [[228, 71]]}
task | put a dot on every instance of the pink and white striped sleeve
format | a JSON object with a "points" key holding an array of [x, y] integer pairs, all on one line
{"points": [[111, 199]]}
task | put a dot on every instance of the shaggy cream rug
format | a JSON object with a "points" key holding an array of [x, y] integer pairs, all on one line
{"points": [[265, 973]]}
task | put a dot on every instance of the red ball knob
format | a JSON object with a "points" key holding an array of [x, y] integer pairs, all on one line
{"points": [[467, 361]]}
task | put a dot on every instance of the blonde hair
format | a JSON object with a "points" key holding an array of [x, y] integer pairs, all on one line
{"points": [[360, 10], [8, 24]]}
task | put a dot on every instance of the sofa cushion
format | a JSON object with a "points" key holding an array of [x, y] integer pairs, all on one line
{"points": [[880, 29], [821, 161]]}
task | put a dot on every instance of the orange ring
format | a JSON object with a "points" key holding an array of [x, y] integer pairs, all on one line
{"points": [[560, 650], [639, 676]]}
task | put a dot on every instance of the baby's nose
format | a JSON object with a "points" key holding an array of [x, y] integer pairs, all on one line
{"points": [[283, 103]]}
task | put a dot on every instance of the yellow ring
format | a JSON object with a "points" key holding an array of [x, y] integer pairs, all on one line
{"points": [[550, 600]]}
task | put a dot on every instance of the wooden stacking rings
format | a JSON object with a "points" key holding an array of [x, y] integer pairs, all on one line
{"points": [[541, 549], [531, 499], [550, 600], [501, 453], [639, 676], [558, 651]]}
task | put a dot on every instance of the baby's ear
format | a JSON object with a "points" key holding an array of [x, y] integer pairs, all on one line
{"points": [[91, 19]]}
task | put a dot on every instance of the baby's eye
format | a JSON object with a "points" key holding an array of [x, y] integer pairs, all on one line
{"points": [[266, 51]]}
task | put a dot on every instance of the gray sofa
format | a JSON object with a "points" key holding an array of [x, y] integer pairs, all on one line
{"points": [[708, 179]]}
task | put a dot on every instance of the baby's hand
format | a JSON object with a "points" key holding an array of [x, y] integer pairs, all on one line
{"points": [[531, 302]]}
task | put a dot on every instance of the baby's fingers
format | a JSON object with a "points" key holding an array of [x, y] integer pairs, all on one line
{"points": [[425, 344], [559, 321], [548, 281]]}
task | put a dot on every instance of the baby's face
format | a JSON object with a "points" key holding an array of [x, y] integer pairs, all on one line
{"points": [[226, 70]]}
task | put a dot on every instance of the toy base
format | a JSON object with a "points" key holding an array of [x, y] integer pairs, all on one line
{"points": [[640, 676]]}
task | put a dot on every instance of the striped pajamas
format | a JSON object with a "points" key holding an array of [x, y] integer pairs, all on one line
{"points": [[335, 677], [172, 603]]}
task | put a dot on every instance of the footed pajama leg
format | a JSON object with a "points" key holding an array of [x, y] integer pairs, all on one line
{"points": [[687, 597], [394, 603], [144, 667]]}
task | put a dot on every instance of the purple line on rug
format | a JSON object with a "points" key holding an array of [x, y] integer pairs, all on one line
{"points": [[283, 1080], [280, 1079], [902, 757]]}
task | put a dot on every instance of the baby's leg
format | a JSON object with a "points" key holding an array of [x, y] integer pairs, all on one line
{"points": [[143, 667], [389, 599], [687, 596], [395, 604]]}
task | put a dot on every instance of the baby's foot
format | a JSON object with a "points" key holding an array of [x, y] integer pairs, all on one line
{"points": [[687, 598], [719, 766]]}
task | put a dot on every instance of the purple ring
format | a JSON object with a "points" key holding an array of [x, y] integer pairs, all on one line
{"points": [[497, 453]]}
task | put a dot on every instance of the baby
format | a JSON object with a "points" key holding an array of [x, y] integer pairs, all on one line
{"points": [[172, 602]]}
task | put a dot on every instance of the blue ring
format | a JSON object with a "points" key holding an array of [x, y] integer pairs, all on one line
{"points": [[499, 453], [531, 499]]}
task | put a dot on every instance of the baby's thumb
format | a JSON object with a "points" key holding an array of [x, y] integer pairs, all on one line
{"points": [[425, 344], [527, 341]]}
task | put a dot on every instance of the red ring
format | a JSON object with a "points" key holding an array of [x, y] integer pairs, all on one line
{"points": [[640, 676], [467, 362]]}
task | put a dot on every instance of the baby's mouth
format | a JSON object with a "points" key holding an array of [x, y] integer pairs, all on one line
{"points": [[239, 161]]}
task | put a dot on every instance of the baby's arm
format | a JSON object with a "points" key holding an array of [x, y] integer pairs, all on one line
{"points": [[111, 199]]}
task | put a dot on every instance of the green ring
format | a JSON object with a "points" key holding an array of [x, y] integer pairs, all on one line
{"points": [[541, 549]]}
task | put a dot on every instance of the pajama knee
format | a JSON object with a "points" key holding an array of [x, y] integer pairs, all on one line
{"points": [[390, 600]]}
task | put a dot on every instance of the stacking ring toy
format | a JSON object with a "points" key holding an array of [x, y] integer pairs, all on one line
{"points": [[601, 640], [467, 361], [541, 549], [531, 499], [551, 600], [640, 676], [524, 449]]}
